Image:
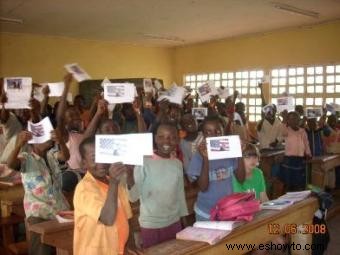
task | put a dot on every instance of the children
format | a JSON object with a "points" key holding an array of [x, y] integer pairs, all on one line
{"points": [[214, 176], [293, 172], [101, 207], [315, 134], [269, 128], [192, 139], [41, 178], [254, 180], [159, 186]]}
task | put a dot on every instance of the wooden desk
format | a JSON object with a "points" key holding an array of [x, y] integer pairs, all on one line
{"points": [[59, 235], [321, 166], [268, 158], [10, 193], [255, 232]]}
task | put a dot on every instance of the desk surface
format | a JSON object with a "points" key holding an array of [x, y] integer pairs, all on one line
{"points": [[255, 232], [271, 153], [60, 235], [325, 158]]}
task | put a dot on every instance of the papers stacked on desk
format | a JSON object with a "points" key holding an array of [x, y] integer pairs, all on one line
{"points": [[286, 200]]}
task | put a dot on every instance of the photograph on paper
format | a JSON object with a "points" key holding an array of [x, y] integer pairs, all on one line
{"points": [[285, 103], [117, 93], [78, 73], [123, 148], [174, 95], [147, 85], [224, 147], [313, 113], [207, 90], [18, 91], [41, 131], [200, 113]]}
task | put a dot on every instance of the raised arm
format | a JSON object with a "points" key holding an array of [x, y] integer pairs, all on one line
{"points": [[63, 104], [4, 113], [92, 127], [63, 153], [44, 103], [240, 172], [109, 211], [13, 160], [203, 179], [137, 105]]}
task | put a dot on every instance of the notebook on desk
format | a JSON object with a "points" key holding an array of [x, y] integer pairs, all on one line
{"points": [[210, 236]]}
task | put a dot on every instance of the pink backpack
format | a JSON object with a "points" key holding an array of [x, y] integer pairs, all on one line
{"points": [[237, 206]]}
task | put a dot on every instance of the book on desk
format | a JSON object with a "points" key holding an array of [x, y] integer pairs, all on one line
{"points": [[286, 200], [208, 231]]}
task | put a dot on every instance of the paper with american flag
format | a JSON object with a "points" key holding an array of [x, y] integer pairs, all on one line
{"points": [[128, 149], [224, 147]]}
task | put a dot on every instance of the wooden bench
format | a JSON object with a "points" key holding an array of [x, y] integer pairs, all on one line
{"points": [[321, 167]]}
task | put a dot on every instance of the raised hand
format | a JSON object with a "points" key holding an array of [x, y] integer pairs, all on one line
{"points": [[202, 149], [68, 79], [102, 106], [23, 137], [46, 91], [116, 171]]}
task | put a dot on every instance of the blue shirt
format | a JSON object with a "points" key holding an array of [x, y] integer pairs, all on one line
{"points": [[220, 182]]}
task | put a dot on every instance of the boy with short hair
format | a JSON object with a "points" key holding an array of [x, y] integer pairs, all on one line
{"points": [[101, 207]]}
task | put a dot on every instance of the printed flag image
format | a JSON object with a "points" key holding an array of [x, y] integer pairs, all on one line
{"points": [[219, 145]]}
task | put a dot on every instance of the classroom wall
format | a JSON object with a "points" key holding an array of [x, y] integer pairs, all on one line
{"points": [[43, 58], [308, 45]]}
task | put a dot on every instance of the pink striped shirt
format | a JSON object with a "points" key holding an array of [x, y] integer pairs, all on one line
{"points": [[296, 142]]}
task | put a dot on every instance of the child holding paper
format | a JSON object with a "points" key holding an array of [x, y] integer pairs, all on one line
{"points": [[214, 177], [70, 123], [41, 178], [293, 172], [159, 186], [254, 180], [101, 207], [192, 139]]}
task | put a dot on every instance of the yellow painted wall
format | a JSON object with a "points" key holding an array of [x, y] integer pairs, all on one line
{"points": [[313, 45], [43, 58]]}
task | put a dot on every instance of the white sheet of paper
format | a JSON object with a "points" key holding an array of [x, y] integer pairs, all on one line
{"points": [[117, 93], [199, 112], [106, 80], [224, 147], [56, 88], [175, 94], [41, 131], [147, 85], [158, 85], [69, 97], [313, 113], [223, 93], [37, 93], [285, 103], [78, 73], [206, 90], [18, 91], [129, 149]]}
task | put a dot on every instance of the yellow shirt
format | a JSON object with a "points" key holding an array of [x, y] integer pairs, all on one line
{"points": [[90, 235]]}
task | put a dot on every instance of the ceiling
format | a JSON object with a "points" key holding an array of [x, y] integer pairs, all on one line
{"points": [[159, 22]]}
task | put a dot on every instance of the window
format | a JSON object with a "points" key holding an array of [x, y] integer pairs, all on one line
{"points": [[311, 86], [288, 80], [246, 82]]}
